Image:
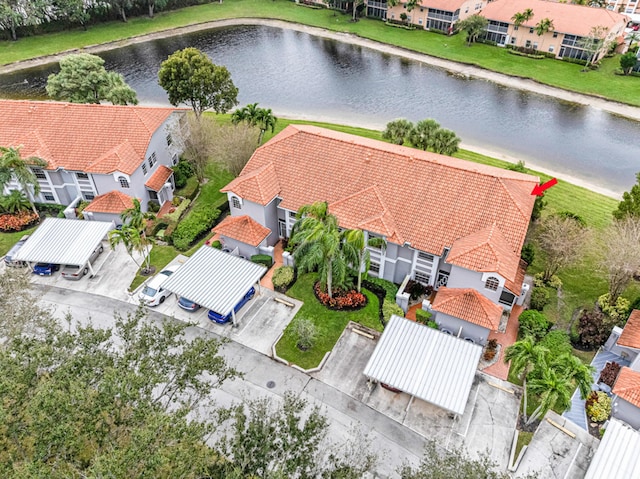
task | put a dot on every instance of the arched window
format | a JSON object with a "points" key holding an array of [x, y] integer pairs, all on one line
{"points": [[123, 182], [235, 202], [492, 283]]}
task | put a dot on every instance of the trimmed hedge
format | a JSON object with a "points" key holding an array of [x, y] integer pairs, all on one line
{"points": [[199, 221], [177, 213], [389, 308], [283, 277], [390, 289], [264, 259], [533, 323], [422, 316]]}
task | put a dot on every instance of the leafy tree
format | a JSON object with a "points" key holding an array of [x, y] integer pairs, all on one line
{"points": [[421, 136], [543, 26], [627, 62], [594, 43], [445, 142], [15, 202], [474, 26], [121, 6], [75, 11], [397, 131], [21, 13], [561, 241], [134, 240], [619, 251], [357, 254], [525, 355], [318, 245], [630, 204], [83, 79], [440, 463], [152, 5], [554, 390], [189, 76], [13, 166], [287, 441], [252, 115], [533, 323], [89, 402]]}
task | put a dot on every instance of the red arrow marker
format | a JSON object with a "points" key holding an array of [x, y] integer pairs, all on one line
{"points": [[538, 190]]}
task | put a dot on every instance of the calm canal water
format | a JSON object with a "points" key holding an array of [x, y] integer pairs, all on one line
{"points": [[300, 75]]}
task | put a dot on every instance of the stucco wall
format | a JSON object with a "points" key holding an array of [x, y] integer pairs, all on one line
{"points": [[465, 278], [243, 249], [105, 217], [469, 330], [271, 221], [626, 412]]}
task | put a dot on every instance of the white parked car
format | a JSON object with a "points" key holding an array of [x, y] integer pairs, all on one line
{"points": [[153, 293]]}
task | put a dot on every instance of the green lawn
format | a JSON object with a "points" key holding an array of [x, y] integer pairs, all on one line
{"points": [[330, 323], [7, 240], [565, 75]]}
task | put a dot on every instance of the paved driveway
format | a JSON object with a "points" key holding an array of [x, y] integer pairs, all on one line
{"points": [[488, 422]]}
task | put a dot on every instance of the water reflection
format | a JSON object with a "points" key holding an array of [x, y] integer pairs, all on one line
{"points": [[297, 74]]}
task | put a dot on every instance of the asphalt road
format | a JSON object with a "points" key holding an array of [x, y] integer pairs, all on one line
{"points": [[394, 443]]}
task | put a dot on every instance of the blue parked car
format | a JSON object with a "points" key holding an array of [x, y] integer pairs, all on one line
{"points": [[45, 269], [187, 304], [218, 318]]}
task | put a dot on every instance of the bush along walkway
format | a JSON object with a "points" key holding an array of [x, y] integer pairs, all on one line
{"points": [[266, 282]]}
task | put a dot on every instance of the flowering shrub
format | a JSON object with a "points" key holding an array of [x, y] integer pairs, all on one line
{"points": [[609, 373], [349, 300], [18, 221], [617, 312], [554, 282], [598, 406]]}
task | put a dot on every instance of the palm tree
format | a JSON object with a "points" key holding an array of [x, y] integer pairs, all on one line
{"points": [[528, 14], [524, 356], [134, 216], [318, 245], [251, 114], [133, 240], [545, 25], [554, 390], [421, 136], [12, 165], [15, 202], [518, 19], [576, 371], [356, 252], [445, 142], [397, 130]]}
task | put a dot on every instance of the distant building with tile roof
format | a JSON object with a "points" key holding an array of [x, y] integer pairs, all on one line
{"points": [[439, 15], [446, 221], [92, 150], [571, 24]]}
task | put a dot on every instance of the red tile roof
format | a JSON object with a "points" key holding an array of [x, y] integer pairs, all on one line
{"points": [[159, 178], [242, 228], [113, 202], [630, 336], [469, 305], [627, 386], [567, 17], [81, 137], [408, 195], [487, 250]]}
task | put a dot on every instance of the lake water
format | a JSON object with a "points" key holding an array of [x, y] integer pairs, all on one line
{"points": [[296, 74]]}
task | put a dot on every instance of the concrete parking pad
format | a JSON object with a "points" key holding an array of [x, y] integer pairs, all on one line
{"points": [[487, 425]]}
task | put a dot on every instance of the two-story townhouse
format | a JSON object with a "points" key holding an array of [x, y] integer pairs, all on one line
{"points": [[93, 150], [430, 14], [571, 24], [447, 222], [628, 7]]}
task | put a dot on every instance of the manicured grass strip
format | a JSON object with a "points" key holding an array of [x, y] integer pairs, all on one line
{"points": [[330, 323], [524, 438], [160, 257], [561, 74], [7, 240]]}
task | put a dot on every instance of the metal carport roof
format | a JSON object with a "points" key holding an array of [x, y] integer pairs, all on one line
{"points": [[425, 363], [64, 241], [617, 455], [214, 279]]}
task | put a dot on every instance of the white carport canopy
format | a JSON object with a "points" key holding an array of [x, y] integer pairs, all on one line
{"points": [[617, 455], [425, 363], [64, 241], [214, 279]]}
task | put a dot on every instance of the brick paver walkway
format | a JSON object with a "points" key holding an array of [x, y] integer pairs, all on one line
{"points": [[500, 369], [277, 262]]}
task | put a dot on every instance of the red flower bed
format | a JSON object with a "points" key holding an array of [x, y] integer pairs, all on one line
{"points": [[17, 222], [341, 300]]}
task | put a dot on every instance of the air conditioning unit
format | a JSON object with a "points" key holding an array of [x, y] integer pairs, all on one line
{"points": [[523, 294]]}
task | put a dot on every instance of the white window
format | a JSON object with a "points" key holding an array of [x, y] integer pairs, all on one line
{"points": [[492, 283], [169, 139], [152, 159], [422, 277], [535, 45], [513, 40], [425, 256], [174, 160], [292, 214], [551, 48], [89, 196], [82, 176], [48, 196], [420, 21], [124, 183], [144, 168], [235, 202], [39, 173], [374, 267]]}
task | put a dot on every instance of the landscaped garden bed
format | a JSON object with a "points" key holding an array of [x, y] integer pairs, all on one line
{"points": [[329, 323]]}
